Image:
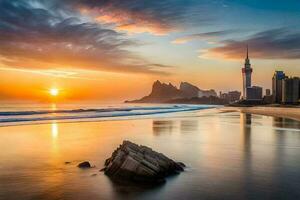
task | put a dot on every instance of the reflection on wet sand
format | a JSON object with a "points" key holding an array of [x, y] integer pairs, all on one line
{"points": [[285, 123], [188, 126], [229, 156], [128, 190], [246, 120], [54, 130], [286, 137], [162, 127]]}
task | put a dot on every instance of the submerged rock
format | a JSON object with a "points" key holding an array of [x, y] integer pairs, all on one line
{"points": [[85, 164], [140, 164]]}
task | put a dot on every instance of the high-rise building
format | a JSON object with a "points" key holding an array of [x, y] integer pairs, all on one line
{"points": [[254, 93], [290, 90], [277, 86], [246, 72], [268, 99]]}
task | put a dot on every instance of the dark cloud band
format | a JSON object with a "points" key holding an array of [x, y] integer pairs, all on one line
{"points": [[272, 44]]}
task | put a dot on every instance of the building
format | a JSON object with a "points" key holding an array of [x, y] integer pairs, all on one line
{"points": [[246, 72], [290, 90], [277, 86], [231, 96], [254, 93], [268, 92], [268, 99], [250, 93], [207, 93]]}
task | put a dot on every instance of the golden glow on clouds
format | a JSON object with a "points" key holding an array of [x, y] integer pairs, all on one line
{"points": [[215, 54], [208, 37], [129, 22]]}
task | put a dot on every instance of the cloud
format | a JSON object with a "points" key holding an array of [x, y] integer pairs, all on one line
{"points": [[39, 34], [74, 74], [208, 36], [271, 44], [140, 16]]}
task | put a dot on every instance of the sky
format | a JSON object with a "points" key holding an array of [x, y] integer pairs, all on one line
{"points": [[113, 50]]}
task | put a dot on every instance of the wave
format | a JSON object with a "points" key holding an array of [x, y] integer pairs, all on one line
{"points": [[39, 112], [75, 114]]}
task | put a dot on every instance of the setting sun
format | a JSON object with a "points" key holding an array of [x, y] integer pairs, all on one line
{"points": [[54, 91]]}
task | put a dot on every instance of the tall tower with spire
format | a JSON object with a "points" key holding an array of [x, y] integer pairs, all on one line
{"points": [[246, 72]]}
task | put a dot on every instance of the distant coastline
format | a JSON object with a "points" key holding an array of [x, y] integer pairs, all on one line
{"points": [[185, 94], [194, 100], [284, 111]]}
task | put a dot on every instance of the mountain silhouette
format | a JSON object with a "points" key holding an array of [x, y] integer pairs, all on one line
{"points": [[162, 93]]}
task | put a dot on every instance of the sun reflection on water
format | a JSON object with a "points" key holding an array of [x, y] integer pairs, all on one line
{"points": [[54, 130]]}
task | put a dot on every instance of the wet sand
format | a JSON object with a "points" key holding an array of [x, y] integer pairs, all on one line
{"points": [[229, 155], [292, 113]]}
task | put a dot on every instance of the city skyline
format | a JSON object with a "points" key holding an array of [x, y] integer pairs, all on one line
{"points": [[120, 48]]}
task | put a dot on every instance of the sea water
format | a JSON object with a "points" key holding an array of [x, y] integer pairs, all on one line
{"points": [[229, 155]]}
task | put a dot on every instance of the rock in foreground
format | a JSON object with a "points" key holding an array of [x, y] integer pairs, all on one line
{"points": [[136, 163], [84, 164]]}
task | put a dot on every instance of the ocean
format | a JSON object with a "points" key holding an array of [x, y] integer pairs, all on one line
{"points": [[16, 114], [229, 155]]}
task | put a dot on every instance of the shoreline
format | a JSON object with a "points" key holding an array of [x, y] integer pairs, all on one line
{"points": [[275, 111], [137, 116], [284, 112]]}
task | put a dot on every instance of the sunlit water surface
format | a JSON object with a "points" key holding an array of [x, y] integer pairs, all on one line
{"points": [[229, 156]]}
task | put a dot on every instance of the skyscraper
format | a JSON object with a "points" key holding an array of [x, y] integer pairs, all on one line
{"points": [[246, 72], [254, 93], [290, 90], [277, 86]]}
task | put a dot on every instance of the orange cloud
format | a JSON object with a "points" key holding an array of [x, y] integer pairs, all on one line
{"points": [[210, 37], [131, 22], [156, 17], [218, 53]]}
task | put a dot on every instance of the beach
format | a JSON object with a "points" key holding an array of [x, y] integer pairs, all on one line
{"points": [[285, 112], [229, 155]]}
